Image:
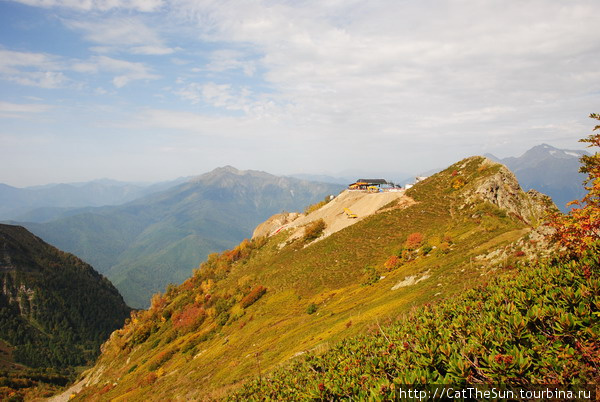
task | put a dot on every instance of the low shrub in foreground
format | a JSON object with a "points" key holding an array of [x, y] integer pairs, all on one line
{"points": [[538, 324]]}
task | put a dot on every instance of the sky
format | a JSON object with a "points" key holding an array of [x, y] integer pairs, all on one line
{"points": [[151, 90]]}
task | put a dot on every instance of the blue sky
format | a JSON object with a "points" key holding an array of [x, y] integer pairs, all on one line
{"points": [[149, 90]]}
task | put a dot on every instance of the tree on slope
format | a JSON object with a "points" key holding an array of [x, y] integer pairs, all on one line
{"points": [[580, 229]]}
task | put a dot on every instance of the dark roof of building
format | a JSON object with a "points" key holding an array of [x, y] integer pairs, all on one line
{"points": [[372, 181]]}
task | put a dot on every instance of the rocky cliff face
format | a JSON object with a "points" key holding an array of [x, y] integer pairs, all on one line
{"points": [[18, 295], [503, 190]]}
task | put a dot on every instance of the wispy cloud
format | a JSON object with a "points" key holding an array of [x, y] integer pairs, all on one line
{"points": [[125, 71], [121, 34], [434, 81], [51, 71], [387, 66], [31, 69], [101, 5], [231, 59], [21, 110]]}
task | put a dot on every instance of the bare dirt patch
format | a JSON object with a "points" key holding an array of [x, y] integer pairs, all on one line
{"points": [[360, 203]]}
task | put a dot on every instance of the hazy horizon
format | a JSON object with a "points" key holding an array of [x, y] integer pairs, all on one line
{"points": [[153, 90]]}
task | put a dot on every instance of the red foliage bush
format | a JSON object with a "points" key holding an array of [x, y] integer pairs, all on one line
{"points": [[392, 262], [253, 296], [414, 240], [190, 316], [105, 389]]}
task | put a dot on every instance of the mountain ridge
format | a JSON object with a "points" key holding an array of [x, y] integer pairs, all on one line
{"points": [[44, 202], [273, 298]]}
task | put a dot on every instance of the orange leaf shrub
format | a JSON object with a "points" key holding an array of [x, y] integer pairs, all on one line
{"points": [[414, 240], [189, 317], [392, 262], [580, 229], [253, 296]]}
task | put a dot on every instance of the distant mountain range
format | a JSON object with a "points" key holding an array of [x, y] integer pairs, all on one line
{"points": [[44, 203], [549, 170], [158, 239]]}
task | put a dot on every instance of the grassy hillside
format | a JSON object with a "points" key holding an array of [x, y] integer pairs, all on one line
{"points": [[537, 324], [246, 311], [144, 245], [55, 310]]}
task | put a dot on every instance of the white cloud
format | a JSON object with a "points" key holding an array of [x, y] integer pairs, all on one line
{"points": [[21, 110], [49, 71], [434, 79], [101, 5], [31, 69], [126, 71], [128, 34], [229, 59]]}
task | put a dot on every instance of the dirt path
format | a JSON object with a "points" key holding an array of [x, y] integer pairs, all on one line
{"points": [[67, 393]]}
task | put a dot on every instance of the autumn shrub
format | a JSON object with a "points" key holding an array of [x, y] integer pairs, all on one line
{"points": [[579, 230], [392, 263], [161, 359], [314, 230], [253, 296], [190, 317], [414, 240], [149, 379], [458, 183], [158, 302], [105, 389]]}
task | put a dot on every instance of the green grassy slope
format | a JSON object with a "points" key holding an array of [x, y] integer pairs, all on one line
{"points": [[537, 324], [251, 309]]}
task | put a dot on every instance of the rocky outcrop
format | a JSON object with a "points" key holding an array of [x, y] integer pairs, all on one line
{"points": [[502, 189], [274, 224], [19, 295]]}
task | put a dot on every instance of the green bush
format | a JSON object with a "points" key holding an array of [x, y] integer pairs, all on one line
{"points": [[311, 309], [426, 249], [371, 276]]}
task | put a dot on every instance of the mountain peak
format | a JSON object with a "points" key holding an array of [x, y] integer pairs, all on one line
{"points": [[231, 173], [228, 169]]}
